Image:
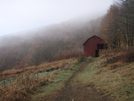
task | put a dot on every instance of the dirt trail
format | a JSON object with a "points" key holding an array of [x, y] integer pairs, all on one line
{"points": [[79, 92], [66, 93]]}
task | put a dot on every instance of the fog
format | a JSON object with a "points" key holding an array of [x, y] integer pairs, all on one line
{"points": [[33, 32], [22, 15]]}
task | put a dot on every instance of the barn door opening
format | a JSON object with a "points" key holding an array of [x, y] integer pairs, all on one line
{"points": [[96, 53]]}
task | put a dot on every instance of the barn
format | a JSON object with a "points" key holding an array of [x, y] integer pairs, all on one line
{"points": [[93, 45]]}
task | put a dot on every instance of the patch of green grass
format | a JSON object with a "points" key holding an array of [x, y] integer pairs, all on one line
{"points": [[6, 81], [113, 82], [59, 77], [83, 76], [86, 60]]}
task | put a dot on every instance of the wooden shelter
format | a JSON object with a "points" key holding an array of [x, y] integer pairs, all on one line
{"points": [[93, 45]]}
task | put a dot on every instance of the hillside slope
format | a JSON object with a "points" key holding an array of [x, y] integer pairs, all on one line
{"points": [[105, 78], [45, 44]]}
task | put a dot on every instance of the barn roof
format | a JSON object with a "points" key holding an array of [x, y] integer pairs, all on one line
{"points": [[91, 38]]}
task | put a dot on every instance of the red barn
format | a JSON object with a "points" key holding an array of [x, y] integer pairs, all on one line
{"points": [[93, 45]]}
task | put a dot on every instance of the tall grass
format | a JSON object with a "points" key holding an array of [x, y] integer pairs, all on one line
{"points": [[37, 69], [20, 84], [69, 54], [21, 89], [115, 78], [117, 56]]}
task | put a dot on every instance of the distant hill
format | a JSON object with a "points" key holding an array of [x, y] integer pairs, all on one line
{"points": [[32, 48]]}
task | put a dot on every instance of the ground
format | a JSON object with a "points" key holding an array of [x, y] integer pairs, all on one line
{"points": [[91, 79], [79, 92]]}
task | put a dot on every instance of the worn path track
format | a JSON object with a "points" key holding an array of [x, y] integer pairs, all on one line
{"points": [[80, 92], [66, 93]]}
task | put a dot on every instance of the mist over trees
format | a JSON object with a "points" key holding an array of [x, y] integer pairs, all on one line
{"points": [[47, 44], [117, 25], [51, 42]]}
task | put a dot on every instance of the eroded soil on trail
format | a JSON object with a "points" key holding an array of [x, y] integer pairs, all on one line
{"points": [[80, 92]]}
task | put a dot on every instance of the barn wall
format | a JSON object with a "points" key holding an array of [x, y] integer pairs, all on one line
{"points": [[91, 45]]}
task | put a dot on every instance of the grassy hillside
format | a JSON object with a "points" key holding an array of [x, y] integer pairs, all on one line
{"points": [[111, 73], [36, 81]]}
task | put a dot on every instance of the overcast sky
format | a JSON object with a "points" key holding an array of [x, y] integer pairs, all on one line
{"points": [[21, 15]]}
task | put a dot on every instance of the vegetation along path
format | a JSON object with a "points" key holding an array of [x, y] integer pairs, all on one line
{"points": [[79, 92]]}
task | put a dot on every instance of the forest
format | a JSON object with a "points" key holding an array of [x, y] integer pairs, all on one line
{"points": [[59, 41], [117, 25], [45, 45]]}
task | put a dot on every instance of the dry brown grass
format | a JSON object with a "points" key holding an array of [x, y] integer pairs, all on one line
{"points": [[114, 65], [20, 89], [37, 69], [27, 80], [114, 58], [114, 79], [70, 54], [116, 73], [112, 73], [118, 82]]}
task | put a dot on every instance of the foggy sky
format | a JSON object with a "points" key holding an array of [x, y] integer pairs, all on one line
{"points": [[21, 15]]}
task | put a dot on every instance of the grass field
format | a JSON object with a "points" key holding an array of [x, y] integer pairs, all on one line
{"points": [[59, 78], [117, 83], [35, 83]]}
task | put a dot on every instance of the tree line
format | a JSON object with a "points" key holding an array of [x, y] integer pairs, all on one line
{"points": [[118, 24]]}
